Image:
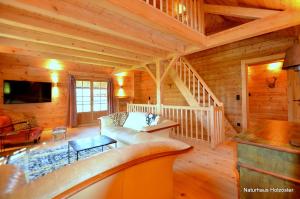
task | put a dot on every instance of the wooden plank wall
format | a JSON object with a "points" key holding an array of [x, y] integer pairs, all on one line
{"points": [[13, 67], [266, 102], [145, 87], [220, 67], [128, 87], [171, 95]]}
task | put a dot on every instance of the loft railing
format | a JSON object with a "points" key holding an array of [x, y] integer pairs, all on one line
{"points": [[196, 123], [187, 12]]}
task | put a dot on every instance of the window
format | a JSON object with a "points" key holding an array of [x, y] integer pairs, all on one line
{"points": [[100, 96], [91, 96]]}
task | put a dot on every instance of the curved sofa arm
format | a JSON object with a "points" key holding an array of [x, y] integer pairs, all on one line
{"points": [[74, 179], [105, 121], [166, 124]]}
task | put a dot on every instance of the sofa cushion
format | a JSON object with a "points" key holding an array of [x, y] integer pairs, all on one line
{"points": [[119, 133], [136, 121], [152, 119], [118, 119], [106, 121], [5, 121]]}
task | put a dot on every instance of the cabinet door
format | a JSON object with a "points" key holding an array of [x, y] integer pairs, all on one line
{"points": [[294, 95]]}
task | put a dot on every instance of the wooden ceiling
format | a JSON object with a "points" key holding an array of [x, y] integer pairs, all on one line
{"points": [[123, 35]]}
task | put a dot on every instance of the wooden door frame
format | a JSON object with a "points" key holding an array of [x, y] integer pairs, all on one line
{"points": [[244, 74], [92, 80]]}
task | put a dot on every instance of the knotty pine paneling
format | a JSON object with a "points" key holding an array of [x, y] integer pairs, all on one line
{"points": [[266, 102], [171, 95], [220, 67], [15, 67], [145, 87], [127, 83]]}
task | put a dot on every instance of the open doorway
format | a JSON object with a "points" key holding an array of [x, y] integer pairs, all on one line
{"points": [[267, 93], [245, 64]]}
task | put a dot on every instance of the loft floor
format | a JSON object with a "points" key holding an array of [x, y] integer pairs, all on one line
{"points": [[203, 172]]}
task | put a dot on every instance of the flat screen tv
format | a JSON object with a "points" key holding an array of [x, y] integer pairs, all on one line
{"points": [[22, 92]]}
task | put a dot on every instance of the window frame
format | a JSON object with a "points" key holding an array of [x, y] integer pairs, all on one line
{"points": [[92, 96]]}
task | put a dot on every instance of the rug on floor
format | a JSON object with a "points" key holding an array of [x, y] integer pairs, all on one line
{"points": [[39, 162]]}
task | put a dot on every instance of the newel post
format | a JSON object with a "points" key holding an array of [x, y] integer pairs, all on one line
{"points": [[212, 126], [158, 87]]}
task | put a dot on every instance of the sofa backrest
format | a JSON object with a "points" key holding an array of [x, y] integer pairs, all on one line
{"points": [[136, 120], [5, 124], [116, 173]]}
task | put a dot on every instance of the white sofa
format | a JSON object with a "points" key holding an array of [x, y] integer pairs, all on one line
{"points": [[129, 172], [127, 132]]}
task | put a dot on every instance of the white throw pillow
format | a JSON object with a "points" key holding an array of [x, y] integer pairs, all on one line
{"points": [[136, 121], [156, 121]]}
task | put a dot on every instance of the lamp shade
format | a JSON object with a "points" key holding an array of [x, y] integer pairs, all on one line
{"points": [[292, 58]]}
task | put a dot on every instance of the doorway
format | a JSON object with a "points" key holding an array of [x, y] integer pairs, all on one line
{"points": [[91, 100], [244, 76], [267, 93]]}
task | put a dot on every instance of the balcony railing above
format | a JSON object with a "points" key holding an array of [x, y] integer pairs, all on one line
{"points": [[188, 12]]}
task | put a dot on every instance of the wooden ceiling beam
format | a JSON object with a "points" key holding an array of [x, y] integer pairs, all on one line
{"points": [[27, 34], [241, 12], [153, 17], [27, 45], [44, 24], [100, 21], [282, 20], [43, 55]]}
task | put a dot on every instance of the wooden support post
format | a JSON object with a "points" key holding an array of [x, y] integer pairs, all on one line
{"points": [[158, 86], [201, 22], [171, 64]]}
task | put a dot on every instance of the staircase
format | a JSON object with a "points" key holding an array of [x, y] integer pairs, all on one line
{"points": [[195, 90]]}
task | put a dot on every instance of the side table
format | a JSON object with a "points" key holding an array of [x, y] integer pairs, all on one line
{"points": [[59, 131]]}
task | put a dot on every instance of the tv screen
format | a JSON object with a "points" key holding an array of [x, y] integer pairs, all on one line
{"points": [[21, 92]]}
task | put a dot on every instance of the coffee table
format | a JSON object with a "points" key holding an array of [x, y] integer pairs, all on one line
{"points": [[89, 143]]}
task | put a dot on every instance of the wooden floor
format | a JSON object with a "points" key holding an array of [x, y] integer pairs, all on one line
{"points": [[201, 173], [207, 173]]}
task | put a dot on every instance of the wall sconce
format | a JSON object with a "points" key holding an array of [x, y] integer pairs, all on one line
{"points": [[55, 90], [275, 67], [180, 8], [121, 92]]}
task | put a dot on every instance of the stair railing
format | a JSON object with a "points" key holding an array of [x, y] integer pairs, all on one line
{"points": [[195, 84]]}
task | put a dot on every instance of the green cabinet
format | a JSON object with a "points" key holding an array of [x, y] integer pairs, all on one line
{"points": [[269, 167]]}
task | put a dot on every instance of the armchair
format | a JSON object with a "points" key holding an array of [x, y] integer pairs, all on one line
{"points": [[14, 133]]}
